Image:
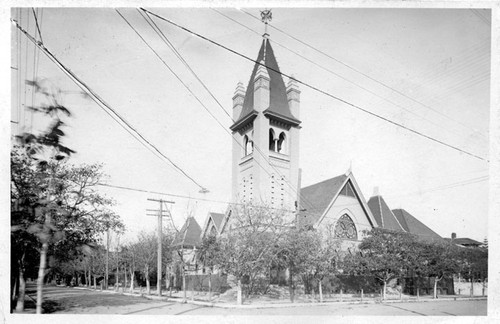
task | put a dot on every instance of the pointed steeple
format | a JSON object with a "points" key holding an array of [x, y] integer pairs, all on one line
{"points": [[278, 103]]}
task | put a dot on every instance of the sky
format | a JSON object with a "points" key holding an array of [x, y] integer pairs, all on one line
{"points": [[426, 69]]}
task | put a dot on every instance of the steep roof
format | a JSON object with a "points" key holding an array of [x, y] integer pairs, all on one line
{"points": [[383, 214], [189, 235], [414, 226], [217, 219], [316, 198], [278, 104]]}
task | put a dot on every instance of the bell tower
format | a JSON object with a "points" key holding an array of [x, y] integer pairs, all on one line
{"points": [[266, 128]]}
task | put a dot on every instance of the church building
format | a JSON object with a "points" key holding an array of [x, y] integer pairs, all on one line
{"points": [[265, 165]]}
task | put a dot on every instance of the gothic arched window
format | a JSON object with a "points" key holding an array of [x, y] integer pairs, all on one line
{"points": [[345, 228], [272, 143], [245, 145], [282, 143]]}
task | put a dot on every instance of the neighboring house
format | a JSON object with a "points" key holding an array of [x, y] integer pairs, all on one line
{"points": [[186, 242], [213, 224], [464, 241]]}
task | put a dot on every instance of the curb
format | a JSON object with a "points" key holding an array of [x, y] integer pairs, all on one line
{"points": [[284, 305]]}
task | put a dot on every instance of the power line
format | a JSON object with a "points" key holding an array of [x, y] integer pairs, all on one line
{"points": [[340, 76], [179, 56], [106, 107], [37, 26], [318, 90], [192, 93], [358, 71], [187, 197]]}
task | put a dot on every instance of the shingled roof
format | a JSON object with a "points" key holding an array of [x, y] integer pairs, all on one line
{"points": [[278, 104], [189, 235], [414, 226], [383, 215], [316, 198]]}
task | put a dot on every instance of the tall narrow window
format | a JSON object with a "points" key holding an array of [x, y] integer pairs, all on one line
{"points": [[272, 143], [282, 143], [245, 144]]}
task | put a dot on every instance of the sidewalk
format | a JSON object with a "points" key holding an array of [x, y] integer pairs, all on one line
{"points": [[178, 298]]}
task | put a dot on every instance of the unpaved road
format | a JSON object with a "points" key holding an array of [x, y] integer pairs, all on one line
{"points": [[60, 300]]}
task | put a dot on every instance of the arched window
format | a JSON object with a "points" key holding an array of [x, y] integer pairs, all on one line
{"points": [[282, 143], [245, 145], [345, 228], [272, 143]]}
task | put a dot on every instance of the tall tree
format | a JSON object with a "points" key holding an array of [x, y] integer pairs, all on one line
{"points": [[250, 243], [145, 251], [297, 249], [438, 260], [386, 255], [210, 255], [54, 202]]}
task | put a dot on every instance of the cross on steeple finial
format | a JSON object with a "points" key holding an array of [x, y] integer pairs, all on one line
{"points": [[266, 16]]}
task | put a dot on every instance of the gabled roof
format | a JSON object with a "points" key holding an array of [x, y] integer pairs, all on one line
{"points": [[213, 218], [414, 226], [189, 235], [317, 198], [383, 214], [278, 104]]}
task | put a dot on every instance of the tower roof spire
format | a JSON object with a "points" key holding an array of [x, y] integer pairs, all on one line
{"points": [[266, 16]]}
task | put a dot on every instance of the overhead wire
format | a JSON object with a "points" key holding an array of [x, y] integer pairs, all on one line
{"points": [[357, 70], [341, 76], [36, 57], [320, 90], [24, 109], [179, 56], [107, 108], [306, 212]]}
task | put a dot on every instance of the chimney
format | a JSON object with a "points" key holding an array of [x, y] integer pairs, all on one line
{"points": [[453, 236], [376, 191]]}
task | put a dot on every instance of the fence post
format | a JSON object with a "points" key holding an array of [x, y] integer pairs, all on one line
{"points": [[401, 293], [340, 294], [418, 293], [361, 295]]}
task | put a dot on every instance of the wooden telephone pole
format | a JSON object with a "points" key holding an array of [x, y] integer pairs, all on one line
{"points": [[160, 214]]}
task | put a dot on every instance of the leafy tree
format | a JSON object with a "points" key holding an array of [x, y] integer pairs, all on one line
{"points": [[438, 260], [250, 244], [473, 265], [210, 255], [383, 254], [326, 258], [297, 249], [54, 203], [145, 250]]}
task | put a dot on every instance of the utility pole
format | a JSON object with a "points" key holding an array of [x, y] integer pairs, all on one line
{"points": [[107, 261], [160, 239]]}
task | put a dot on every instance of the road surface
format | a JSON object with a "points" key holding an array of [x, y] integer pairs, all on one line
{"points": [[61, 300]]}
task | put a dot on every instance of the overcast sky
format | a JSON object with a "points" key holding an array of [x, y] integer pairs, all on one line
{"points": [[432, 72]]}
